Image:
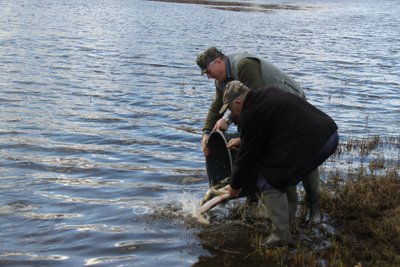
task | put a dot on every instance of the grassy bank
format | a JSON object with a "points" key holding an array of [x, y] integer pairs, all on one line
{"points": [[362, 206]]}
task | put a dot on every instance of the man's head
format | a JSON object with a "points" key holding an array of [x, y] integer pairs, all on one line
{"points": [[211, 62], [233, 98]]}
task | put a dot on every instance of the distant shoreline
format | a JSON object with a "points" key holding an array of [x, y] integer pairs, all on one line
{"points": [[238, 6]]}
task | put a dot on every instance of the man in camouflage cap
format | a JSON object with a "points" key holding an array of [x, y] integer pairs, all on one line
{"points": [[233, 91], [250, 69], [209, 55], [283, 138], [254, 72]]}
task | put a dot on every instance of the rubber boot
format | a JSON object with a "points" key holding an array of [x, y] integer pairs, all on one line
{"points": [[277, 206], [292, 198], [313, 196]]}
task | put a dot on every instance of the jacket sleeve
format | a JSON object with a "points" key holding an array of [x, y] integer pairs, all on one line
{"points": [[251, 149], [213, 113]]}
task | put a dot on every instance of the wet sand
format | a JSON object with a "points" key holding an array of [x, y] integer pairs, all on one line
{"points": [[238, 6]]}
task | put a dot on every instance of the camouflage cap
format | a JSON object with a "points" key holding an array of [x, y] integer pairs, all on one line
{"points": [[206, 57], [233, 90]]}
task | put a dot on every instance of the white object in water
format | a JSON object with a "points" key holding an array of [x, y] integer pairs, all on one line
{"points": [[220, 196]]}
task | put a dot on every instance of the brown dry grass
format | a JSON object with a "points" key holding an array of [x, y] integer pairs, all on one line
{"points": [[364, 209]]}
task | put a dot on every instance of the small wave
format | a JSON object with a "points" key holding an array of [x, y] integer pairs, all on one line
{"points": [[106, 260]]}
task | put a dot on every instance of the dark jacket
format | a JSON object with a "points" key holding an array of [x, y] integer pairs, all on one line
{"points": [[279, 134]]}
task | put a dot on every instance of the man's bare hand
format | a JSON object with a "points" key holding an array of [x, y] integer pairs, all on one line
{"points": [[204, 142], [221, 125], [234, 143], [233, 193]]}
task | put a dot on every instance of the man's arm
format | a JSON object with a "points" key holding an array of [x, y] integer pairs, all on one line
{"points": [[213, 113], [251, 150], [212, 117]]}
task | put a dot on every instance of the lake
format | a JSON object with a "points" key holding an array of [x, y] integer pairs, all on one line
{"points": [[102, 106]]}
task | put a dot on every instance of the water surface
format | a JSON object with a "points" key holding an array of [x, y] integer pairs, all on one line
{"points": [[102, 108]]}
